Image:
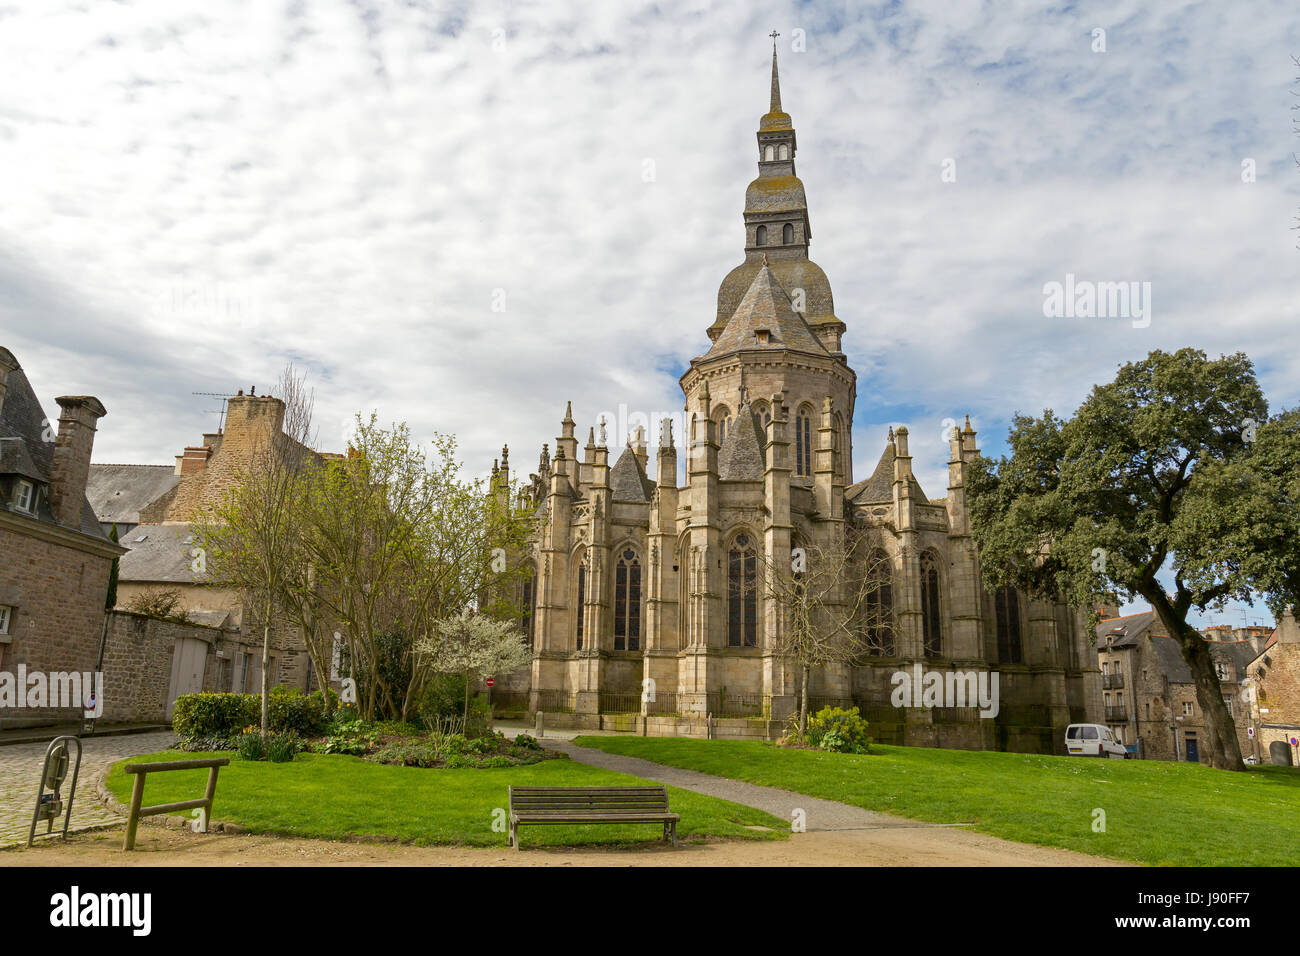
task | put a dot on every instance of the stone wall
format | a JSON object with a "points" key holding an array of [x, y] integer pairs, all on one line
{"points": [[57, 592]]}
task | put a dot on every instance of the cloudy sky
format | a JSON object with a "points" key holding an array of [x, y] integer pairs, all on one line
{"points": [[463, 215]]}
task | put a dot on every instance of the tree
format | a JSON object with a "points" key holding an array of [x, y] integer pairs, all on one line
{"points": [[474, 646], [1105, 502], [835, 603], [252, 539], [1246, 520], [396, 540]]}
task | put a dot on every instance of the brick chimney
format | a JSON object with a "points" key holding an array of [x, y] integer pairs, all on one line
{"points": [[7, 364], [195, 458], [77, 417]]}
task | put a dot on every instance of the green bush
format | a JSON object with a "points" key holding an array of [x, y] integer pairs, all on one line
{"points": [[838, 730], [224, 715], [206, 744], [527, 742]]}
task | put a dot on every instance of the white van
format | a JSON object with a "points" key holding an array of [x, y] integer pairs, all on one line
{"points": [[1093, 740]]}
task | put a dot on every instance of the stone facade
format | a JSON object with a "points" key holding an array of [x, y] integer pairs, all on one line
{"points": [[138, 659], [54, 559], [1148, 695], [1274, 702], [639, 578]]}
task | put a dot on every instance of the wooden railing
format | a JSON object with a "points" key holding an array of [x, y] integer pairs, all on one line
{"points": [[141, 770]]}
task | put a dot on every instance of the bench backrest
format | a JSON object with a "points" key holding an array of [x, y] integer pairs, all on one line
{"points": [[589, 799]]}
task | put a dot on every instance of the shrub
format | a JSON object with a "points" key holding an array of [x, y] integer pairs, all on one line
{"points": [[214, 715], [205, 744], [527, 742], [457, 761], [455, 743], [413, 755], [496, 761], [222, 715], [838, 730]]}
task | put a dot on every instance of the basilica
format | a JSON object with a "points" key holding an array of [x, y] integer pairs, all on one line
{"points": [[646, 608]]}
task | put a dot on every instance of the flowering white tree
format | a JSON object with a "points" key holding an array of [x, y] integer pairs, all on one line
{"points": [[474, 646]]}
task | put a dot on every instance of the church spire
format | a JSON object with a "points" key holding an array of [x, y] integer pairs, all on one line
{"points": [[776, 82]]}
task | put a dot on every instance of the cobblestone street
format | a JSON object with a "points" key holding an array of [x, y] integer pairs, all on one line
{"points": [[20, 767]]}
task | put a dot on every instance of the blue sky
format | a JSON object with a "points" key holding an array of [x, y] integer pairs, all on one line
{"points": [[196, 193]]}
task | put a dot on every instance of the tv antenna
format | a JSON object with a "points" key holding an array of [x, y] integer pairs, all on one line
{"points": [[221, 412]]}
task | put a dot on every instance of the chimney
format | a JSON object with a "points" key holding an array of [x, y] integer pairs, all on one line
{"points": [[76, 439], [7, 364], [195, 458], [1288, 632]]}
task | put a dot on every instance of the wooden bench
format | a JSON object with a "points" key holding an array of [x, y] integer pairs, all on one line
{"points": [[542, 805]]}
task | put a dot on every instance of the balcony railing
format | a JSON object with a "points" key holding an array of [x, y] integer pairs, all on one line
{"points": [[1116, 713], [1112, 681]]}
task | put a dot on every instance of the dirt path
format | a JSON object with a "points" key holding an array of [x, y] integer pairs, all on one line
{"points": [[157, 846]]}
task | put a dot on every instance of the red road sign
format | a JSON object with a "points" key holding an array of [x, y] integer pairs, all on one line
{"points": [[491, 682]]}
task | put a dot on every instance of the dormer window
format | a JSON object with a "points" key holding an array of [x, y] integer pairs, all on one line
{"points": [[762, 336], [25, 497], [760, 236]]}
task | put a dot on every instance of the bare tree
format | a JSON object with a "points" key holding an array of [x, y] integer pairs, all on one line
{"points": [[835, 599], [253, 538]]}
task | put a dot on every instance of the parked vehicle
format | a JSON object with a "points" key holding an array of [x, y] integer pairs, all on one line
{"points": [[1093, 740]]}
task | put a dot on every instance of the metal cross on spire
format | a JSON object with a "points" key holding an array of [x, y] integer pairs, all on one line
{"points": [[774, 35]]}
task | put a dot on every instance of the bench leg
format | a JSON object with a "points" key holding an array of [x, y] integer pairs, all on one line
{"points": [[671, 826], [514, 835]]}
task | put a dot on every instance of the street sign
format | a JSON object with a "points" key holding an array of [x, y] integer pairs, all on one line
{"points": [[491, 682], [1294, 742]]}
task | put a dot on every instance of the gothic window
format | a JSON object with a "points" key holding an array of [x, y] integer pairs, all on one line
{"points": [[627, 602], [879, 605], [843, 449], [529, 597], [742, 593], [760, 236], [1006, 605], [769, 153], [783, 151], [787, 233], [803, 443], [579, 606], [931, 628]]}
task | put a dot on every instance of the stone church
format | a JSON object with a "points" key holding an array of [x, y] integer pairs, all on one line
{"points": [[636, 577]]}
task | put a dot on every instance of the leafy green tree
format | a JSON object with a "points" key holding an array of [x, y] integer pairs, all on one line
{"points": [[1101, 504]]}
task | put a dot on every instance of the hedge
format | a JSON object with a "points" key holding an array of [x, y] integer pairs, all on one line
{"points": [[225, 715]]}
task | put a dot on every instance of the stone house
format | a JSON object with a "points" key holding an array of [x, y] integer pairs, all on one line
{"points": [[1274, 696], [223, 651], [54, 558], [636, 578], [1148, 695]]}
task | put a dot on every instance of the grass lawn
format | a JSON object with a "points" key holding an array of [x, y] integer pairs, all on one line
{"points": [[333, 797], [1158, 813]]}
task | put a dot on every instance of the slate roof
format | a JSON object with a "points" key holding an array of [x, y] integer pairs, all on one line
{"points": [[765, 305], [1169, 655], [23, 450], [879, 488], [628, 480], [741, 456], [118, 492], [162, 555]]}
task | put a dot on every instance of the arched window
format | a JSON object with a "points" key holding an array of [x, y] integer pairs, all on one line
{"points": [[627, 602], [787, 233], [1006, 604], [742, 593], [769, 153], [931, 629], [763, 413], [878, 607], [842, 447], [579, 607], [760, 236], [783, 151], [529, 598], [803, 443]]}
